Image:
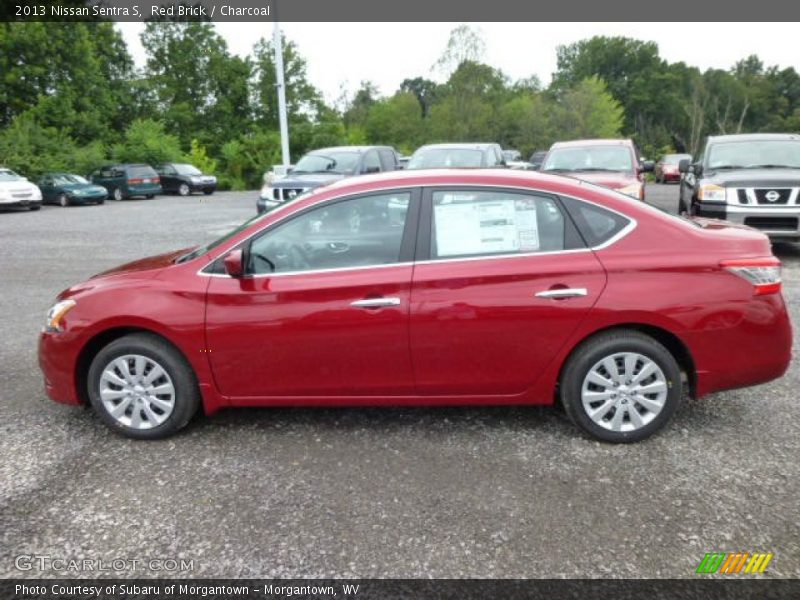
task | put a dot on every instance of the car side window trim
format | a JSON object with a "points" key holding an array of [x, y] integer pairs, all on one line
{"points": [[407, 244]]}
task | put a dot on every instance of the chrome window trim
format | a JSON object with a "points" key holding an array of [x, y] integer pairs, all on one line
{"points": [[632, 224]]}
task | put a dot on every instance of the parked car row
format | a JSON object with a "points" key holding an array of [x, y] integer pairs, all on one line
{"points": [[116, 181], [612, 163]]}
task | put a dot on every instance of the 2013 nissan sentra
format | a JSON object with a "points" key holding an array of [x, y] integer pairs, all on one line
{"points": [[430, 288]]}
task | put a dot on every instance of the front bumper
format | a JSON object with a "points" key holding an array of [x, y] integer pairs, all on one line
{"points": [[87, 198], [206, 188], [777, 223], [57, 358], [20, 203]]}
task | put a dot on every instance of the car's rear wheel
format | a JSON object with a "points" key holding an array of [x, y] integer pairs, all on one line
{"points": [[621, 386], [142, 387], [208, 192], [117, 194], [150, 196], [183, 189], [63, 200]]}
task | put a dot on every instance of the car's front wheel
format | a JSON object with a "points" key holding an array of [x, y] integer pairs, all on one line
{"points": [[142, 387], [621, 386]]}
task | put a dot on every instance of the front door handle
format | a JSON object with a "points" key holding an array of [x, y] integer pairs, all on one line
{"points": [[562, 293], [370, 303]]}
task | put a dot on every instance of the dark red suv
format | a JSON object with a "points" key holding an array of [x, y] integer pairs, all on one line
{"points": [[430, 288]]}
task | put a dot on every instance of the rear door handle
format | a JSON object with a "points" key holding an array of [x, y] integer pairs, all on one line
{"points": [[370, 303], [562, 293]]}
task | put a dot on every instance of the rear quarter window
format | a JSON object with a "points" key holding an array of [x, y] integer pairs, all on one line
{"points": [[597, 225]]}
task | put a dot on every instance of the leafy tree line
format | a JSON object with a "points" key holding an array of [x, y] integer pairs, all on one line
{"points": [[72, 99]]}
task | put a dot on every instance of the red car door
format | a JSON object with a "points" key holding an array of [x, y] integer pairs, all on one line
{"points": [[323, 312], [506, 281]]}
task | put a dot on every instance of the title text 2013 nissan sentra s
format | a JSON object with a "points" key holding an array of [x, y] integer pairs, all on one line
{"points": [[430, 288]]}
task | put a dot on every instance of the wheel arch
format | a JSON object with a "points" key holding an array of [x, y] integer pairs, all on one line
{"points": [[99, 341], [666, 338]]}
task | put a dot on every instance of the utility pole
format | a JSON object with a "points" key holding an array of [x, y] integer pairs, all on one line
{"points": [[277, 43]]}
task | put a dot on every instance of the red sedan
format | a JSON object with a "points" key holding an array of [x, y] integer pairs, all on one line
{"points": [[430, 288], [666, 169]]}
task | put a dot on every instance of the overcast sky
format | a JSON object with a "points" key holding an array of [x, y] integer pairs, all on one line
{"points": [[386, 53]]}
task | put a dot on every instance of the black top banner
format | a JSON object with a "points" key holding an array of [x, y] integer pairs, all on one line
{"points": [[404, 10]]}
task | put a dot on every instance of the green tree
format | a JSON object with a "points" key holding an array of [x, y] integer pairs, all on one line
{"points": [[200, 89], [396, 121], [147, 141], [587, 110]]}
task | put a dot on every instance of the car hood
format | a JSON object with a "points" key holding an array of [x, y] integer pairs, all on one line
{"points": [[754, 178], [151, 263], [311, 180], [17, 186], [614, 181]]}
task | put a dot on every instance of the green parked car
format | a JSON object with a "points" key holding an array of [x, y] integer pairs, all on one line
{"points": [[126, 181], [65, 189]]}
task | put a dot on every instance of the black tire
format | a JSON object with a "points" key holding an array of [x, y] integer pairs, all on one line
{"points": [[101, 201], [35, 206], [150, 196], [62, 200], [591, 352], [117, 194], [208, 192], [187, 395], [184, 189]]}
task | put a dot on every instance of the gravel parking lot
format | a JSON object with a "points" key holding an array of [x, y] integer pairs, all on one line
{"points": [[494, 492]]}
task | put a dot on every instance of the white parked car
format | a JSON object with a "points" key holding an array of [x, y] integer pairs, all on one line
{"points": [[17, 191]]}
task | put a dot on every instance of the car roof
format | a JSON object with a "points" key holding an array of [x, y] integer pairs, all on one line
{"points": [[754, 137], [603, 142], [358, 149], [457, 146]]}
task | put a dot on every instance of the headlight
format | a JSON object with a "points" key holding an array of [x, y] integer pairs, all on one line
{"points": [[56, 313], [634, 190], [711, 193], [197, 180]]}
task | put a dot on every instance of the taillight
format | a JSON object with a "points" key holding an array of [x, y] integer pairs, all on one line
{"points": [[763, 273], [134, 181]]}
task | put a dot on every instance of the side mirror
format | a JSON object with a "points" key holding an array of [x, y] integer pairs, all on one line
{"points": [[683, 165], [648, 166], [234, 264]]}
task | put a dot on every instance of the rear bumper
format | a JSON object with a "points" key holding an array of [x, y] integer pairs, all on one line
{"points": [[144, 190], [755, 350]]}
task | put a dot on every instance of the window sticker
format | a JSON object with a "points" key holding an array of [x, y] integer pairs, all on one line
{"points": [[505, 225]]}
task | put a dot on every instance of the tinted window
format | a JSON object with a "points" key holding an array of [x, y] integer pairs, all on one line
{"points": [[324, 161], [360, 232], [472, 223], [596, 224], [388, 159], [142, 171]]}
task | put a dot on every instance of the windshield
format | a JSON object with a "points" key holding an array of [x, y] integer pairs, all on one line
{"points": [[441, 158], [8, 175], [754, 154], [343, 163], [187, 170], [589, 158], [674, 159], [68, 179]]}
